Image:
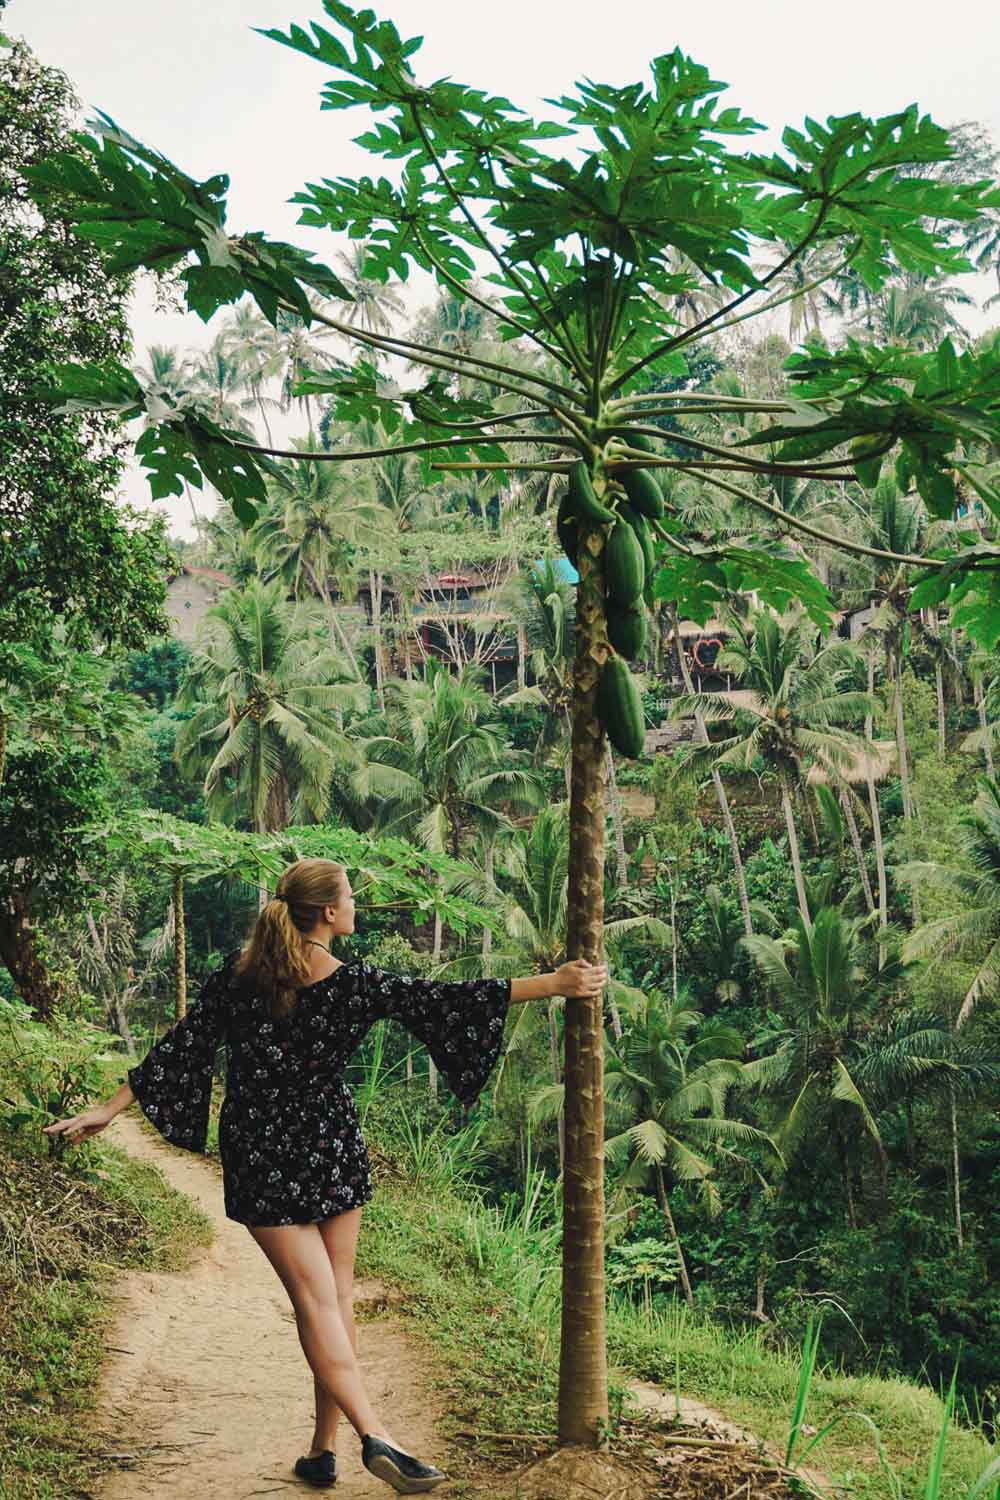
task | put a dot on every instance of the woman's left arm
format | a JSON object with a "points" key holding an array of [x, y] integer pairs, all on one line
{"points": [[576, 980]]}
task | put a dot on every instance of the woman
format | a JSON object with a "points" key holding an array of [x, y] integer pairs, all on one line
{"points": [[295, 1169]]}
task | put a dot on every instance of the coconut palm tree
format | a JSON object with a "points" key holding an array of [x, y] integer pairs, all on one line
{"points": [[717, 782], [666, 1083], [986, 694], [170, 376], [375, 304], [220, 385], [453, 322], [308, 537], [300, 351], [263, 686], [442, 765], [542, 604], [441, 758], [804, 287], [695, 298], [253, 343], [226, 544], [972, 928], [837, 1063], [788, 712], [395, 488], [917, 313], [167, 370], [898, 522]]}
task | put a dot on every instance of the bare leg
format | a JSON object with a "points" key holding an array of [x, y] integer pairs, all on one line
{"points": [[298, 1255], [340, 1238]]}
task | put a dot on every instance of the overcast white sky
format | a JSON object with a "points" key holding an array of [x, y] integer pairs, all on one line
{"points": [[193, 79]]}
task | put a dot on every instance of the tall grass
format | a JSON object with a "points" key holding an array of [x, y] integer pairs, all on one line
{"points": [[883, 1437]]}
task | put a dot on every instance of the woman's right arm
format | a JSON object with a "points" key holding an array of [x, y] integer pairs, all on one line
{"points": [[575, 980], [91, 1121]]}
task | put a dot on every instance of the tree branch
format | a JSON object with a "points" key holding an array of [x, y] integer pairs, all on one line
{"points": [[499, 313], [821, 536], [702, 327], [738, 403], [555, 466], [424, 354], [333, 456], [758, 466], [501, 260]]}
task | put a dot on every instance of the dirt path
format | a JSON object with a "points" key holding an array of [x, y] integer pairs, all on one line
{"points": [[206, 1392]]}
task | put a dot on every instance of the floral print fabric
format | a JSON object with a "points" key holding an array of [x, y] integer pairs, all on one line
{"points": [[291, 1147]]}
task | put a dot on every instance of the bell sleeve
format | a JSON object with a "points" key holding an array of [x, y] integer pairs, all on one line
{"points": [[173, 1083], [460, 1022]]}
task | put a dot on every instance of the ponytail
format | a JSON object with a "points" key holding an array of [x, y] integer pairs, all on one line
{"points": [[276, 958]]}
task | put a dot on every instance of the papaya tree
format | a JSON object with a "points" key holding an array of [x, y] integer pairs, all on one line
{"points": [[595, 230]]}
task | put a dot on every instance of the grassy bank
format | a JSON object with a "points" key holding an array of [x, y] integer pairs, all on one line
{"points": [[67, 1225], [484, 1286]]}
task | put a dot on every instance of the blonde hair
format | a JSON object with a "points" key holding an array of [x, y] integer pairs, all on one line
{"points": [[276, 957]]}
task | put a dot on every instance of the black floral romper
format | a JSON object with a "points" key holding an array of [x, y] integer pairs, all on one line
{"points": [[291, 1147]]}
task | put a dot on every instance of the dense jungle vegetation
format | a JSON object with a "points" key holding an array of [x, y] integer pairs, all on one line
{"points": [[802, 891]]}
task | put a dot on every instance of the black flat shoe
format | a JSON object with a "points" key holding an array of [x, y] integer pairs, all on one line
{"points": [[406, 1475], [319, 1470]]}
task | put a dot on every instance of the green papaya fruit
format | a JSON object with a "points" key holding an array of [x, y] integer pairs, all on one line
{"points": [[637, 440], [643, 489], [582, 498], [627, 631], [619, 708], [644, 536], [567, 529], [624, 566]]}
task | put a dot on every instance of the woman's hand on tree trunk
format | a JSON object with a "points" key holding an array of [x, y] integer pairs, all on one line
{"points": [[578, 980]]}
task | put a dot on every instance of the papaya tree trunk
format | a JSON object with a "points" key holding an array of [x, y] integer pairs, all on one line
{"points": [[180, 950], [583, 1374], [717, 782], [793, 846]]}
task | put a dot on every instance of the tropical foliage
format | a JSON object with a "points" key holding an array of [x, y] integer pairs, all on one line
{"points": [[401, 668]]}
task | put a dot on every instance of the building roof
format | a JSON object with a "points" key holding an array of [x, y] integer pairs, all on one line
{"points": [[212, 573]]}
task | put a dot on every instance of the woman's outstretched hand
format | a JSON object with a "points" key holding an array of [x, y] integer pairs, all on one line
{"points": [[80, 1127], [579, 979]]}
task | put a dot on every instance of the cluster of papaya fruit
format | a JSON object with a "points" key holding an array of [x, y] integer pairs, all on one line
{"points": [[628, 567]]}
